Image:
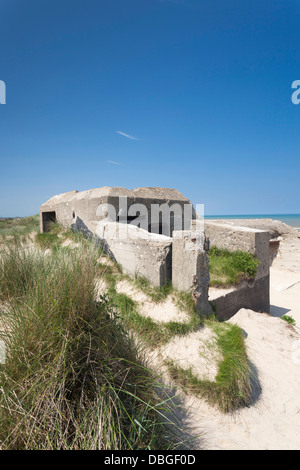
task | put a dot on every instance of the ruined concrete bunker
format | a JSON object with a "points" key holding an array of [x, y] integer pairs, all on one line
{"points": [[156, 233]]}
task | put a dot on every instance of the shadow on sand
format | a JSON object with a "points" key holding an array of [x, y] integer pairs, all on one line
{"points": [[278, 311]]}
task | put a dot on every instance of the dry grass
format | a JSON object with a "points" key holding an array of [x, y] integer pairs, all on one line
{"points": [[72, 378]]}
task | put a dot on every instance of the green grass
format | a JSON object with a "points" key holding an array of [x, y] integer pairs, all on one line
{"points": [[55, 238], [48, 240], [232, 386], [289, 319], [228, 268], [19, 226], [152, 332], [72, 378], [156, 294]]}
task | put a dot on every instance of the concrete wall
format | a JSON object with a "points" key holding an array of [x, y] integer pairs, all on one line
{"points": [[254, 295], [138, 251], [276, 228], [97, 211], [234, 238], [113, 204], [190, 268]]}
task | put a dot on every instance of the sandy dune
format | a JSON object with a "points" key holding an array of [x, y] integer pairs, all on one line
{"points": [[273, 419]]}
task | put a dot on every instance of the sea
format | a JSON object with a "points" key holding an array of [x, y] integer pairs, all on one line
{"points": [[289, 219]]}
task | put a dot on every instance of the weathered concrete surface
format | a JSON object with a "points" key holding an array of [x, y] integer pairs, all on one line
{"points": [[138, 251], [278, 231], [120, 204], [256, 296], [253, 295], [151, 216], [276, 228], [107, 212], [236, 238], [190, 268]]}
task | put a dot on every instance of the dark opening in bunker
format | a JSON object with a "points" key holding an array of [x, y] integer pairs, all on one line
{"points": [[48, 219]]}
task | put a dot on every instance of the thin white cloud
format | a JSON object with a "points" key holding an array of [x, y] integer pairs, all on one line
{"points": [[114, 163], [131, 137]]}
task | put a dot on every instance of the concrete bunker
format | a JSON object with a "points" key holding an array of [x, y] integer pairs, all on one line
{"points": [[137, 229], [153, 233]]}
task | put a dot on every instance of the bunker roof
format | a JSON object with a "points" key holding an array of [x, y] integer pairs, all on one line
{"points": [[165, 194]]}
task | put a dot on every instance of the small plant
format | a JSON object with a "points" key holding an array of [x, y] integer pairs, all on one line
{"points": [[289, 319]]}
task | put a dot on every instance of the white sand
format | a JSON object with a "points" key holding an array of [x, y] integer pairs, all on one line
{"points": [[273, 420], [196, 350], [164, 311]]}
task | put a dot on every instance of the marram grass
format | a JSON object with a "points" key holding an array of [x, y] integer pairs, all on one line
{"points": [[72, 378]]}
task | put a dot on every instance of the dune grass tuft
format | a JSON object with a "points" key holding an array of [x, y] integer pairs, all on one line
{"points": [[72, 378]]}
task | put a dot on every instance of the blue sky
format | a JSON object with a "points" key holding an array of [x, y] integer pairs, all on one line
{"points": [[187, 94]]}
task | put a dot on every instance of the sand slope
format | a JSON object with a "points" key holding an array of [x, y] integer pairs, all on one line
{"points": [[273, 419]]}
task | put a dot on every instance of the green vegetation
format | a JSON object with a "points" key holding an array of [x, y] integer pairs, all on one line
{"points": [[19, 225], [232, 386], [72, 377], [60, 238], [154, 333], [230, 268], [289, 319], [156, 294], [48, 240]]}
